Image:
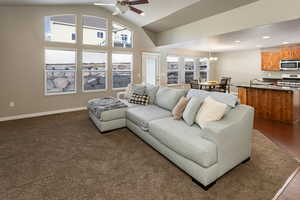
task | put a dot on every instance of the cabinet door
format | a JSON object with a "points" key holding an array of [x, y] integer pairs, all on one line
{"points": [[275, 65], [266, 61], [287, 53]]}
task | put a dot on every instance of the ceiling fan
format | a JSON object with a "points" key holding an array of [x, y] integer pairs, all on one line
{"points": [[122, 6]]}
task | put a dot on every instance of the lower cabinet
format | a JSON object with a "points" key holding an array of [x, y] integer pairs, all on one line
{"points": [[279, 105]]}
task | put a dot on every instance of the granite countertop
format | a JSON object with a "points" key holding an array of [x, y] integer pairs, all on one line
{"points": [[268, 87]]}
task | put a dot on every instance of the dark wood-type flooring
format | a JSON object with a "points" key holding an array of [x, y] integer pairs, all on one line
{"points": [[287, 136]]}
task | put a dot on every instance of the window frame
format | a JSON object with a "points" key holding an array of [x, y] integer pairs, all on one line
{"points": [[178, 70], [112, 36], [45, 71], [61, 42], [106, 71], [112, 71], [107, 32]]}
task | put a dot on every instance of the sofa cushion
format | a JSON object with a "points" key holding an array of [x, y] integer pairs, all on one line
{"points": [[142, 115], [135, 89], [184, 140], [167, 98]]}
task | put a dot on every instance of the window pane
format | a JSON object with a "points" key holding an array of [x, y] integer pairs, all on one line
{"points": [[173, 66], [93, 80], [203, 76], [94, 60], [121, 35], [121, 79], [172, 77], [122, 66], [189, 76], [60, 66], [60, 59], [60, 28], [189, 64], [60, 81], [94, 30]]}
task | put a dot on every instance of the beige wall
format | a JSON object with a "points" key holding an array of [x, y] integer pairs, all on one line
{"points": [[21, 54]]}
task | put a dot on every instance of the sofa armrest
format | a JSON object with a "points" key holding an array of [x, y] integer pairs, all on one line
{"points": [[122, 95], [232, 135]]}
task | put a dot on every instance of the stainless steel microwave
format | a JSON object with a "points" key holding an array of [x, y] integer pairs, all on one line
{"points": [[289, 65]]}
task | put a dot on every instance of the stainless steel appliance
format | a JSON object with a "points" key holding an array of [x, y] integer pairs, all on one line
{"points": [[290, 80], [289, 65]]}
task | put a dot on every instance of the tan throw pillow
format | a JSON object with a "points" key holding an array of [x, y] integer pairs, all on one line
{"points": [[211, 110], [179, 108]]}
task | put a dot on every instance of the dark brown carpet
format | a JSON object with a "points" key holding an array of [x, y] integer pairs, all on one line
{"points": [[64, 157]]}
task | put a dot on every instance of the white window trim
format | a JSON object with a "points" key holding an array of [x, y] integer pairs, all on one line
{"points": [[132, 69], [112, 38], [45, 71], [107, 31], [60, 42], [106, 74]]}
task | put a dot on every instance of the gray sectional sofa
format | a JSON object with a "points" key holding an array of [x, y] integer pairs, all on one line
{"points": [[204, 153]]}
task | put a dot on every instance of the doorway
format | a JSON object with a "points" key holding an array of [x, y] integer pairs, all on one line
{"points": [[150, 64]]}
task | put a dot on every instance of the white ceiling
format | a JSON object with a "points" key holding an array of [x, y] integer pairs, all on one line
{"points": [[154, 11], [249, 39]]}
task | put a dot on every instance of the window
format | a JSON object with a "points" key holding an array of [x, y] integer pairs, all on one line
{"points": [[94, 30], [94, 70], [189, 69], [122, 36], [173, 70], [122, 70], [60, 28], [60, 71], [203, 70]]}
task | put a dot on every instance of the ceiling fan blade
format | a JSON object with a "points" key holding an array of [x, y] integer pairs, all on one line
{"points": [[137, 2], [138, 11]]}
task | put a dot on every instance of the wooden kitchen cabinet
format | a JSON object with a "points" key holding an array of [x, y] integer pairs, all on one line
{"points": [[270, 61], [266, 61]]}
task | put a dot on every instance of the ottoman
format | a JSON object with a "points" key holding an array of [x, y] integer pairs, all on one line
{"points": [[107, 113]]}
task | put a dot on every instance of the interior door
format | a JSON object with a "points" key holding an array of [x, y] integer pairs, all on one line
{"points": [[151, 68]]}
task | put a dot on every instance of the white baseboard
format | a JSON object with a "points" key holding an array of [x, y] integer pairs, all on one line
{"points": [[23, 116]]}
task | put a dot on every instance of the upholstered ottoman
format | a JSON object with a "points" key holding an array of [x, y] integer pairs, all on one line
{"points": [[107, 113]]}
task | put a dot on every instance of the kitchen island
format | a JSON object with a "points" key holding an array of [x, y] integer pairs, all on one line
{"points": [[271, 101]]}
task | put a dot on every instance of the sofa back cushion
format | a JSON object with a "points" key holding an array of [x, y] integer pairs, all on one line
{"points": [[167, 98], [228, 99], [151, 91]]}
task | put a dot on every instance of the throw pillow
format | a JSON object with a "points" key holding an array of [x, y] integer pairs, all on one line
{"points": [[136, 89], [191, 110], [139, 99], [211, 110], [179, 108]]}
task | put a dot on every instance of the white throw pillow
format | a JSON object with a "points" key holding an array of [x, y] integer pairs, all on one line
{"points": [[211, 110]]}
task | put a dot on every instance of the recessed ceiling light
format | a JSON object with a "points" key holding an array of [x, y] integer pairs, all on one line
{"points": [[143, 14], [266, 37], [285, 42], [237, 41], [259, 45]]}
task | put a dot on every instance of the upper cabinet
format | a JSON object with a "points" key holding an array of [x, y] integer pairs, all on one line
{"points": [[270, 59]]}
